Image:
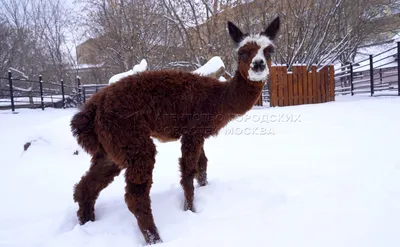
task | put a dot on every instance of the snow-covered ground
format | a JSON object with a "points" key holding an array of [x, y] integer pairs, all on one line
{"points": [[25, 100], [323, 175]]}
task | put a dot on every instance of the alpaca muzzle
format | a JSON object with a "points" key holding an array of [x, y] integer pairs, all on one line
{"points": [[259, 66]]}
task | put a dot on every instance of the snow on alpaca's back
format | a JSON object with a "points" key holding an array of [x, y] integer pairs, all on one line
{"points": [[142, 66], [213, 65], [210, 67]]}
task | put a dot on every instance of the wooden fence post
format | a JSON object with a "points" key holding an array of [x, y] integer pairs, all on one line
{"points": [[295, 83], [10, 82], [290, 88], [279, 72], [315, 87], [310, 87], [273, 88], [320, 84], [285, 86], [300, 84], [323, 84], [326, 79], [332, 82], [305, 84]]}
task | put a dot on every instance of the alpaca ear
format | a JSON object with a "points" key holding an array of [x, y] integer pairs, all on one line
{"points": [[272, 29], [235, 32]]}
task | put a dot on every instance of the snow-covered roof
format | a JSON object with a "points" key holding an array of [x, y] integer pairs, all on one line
{"points": [[87, 66]]}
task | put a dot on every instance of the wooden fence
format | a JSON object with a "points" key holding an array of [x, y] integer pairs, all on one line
{"points": [[301, 86]]}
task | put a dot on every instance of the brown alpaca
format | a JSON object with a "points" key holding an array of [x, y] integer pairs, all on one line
{"points": [[115, 126]]}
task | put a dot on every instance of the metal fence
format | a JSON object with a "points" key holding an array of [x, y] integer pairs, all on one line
{"points": [[89, 89], [378, 75], [24, 93]]}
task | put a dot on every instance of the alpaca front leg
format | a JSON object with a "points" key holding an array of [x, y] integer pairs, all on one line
{"points": [[191, 150], [138, 177], [201, 175], [138, 200]]}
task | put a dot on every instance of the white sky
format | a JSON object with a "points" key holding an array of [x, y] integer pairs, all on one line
{"points": [[71, 40]]}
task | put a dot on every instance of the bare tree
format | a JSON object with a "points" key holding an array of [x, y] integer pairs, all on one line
{"points": [[126, 31], [321, 32], [202, 28], [187, 33], [36, 36], [5, 46], [363, 20], [51, 20]]}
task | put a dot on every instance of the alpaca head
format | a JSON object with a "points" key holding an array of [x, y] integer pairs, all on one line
{"points": [[254, 50]]}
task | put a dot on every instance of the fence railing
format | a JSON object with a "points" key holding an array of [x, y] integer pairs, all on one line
{"points": [[24, 93], [89, 89], [377, 75]]}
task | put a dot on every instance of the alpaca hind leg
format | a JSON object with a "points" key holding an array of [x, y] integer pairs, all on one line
{"points": [[101, 173], [131, 147], [138, 178], [201, 175], [191, 149]]}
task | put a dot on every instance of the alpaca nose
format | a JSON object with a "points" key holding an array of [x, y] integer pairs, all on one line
{"points": [[259, 65]]}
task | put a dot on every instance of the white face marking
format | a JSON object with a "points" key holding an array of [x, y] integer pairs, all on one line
{"points": [[263, 42], [260, 40], [258, 76]]}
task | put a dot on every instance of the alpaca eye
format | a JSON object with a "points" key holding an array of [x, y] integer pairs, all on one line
{"points": [[243, 55], [268, 52], [269, 49]]}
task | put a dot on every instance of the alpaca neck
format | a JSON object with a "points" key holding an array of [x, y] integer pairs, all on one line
{"points": [[241, 94]]}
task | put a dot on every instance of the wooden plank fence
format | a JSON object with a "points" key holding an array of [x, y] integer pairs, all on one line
{"points": [[301, 86]]}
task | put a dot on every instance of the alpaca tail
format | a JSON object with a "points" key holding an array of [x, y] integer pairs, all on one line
{"points": [[82, 127]]}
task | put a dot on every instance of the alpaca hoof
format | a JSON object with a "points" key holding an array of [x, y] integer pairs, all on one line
{"points": [[85, 216], [152, 237], [202, 179], [188, 206], [159, 241], [202, 183], [84, 220]]}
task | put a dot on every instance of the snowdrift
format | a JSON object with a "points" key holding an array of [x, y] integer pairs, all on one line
{"points": [[302, 176]]}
